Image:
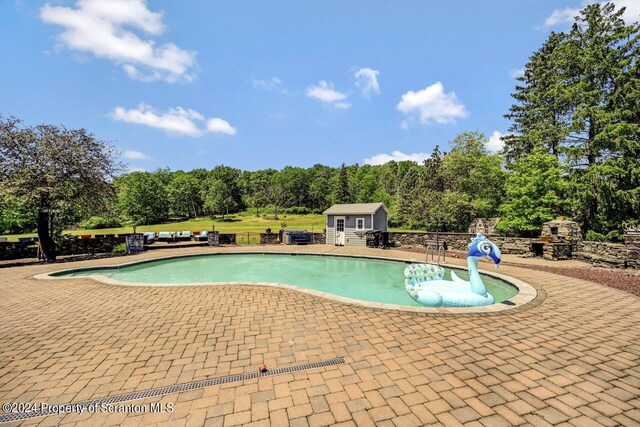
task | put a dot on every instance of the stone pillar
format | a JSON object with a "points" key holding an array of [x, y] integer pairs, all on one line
{"points": [[632, 242], [135, 243], [213, 238]]}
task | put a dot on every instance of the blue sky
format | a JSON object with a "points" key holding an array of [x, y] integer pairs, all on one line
{"points": [[255, 84]]}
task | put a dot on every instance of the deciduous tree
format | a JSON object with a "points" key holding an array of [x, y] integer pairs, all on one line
{"points": [[54, 171], [535, 194], [142, 198]]}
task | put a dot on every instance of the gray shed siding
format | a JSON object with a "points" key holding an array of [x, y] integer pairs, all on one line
{"points": [[351, 238], [380, 220]]}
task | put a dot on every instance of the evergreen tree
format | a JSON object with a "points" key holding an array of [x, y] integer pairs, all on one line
{"points": [[342, 191], [542, 103], [435, 179], [408, 194], [605, 53], [579, 101]]}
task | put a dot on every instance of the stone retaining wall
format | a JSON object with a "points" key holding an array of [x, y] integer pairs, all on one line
{"points": [[15, 250], [459, 241], [602, 254], [88, 246], [269, 238], [227, 239], [274, 238], [597, 253], [68, 246], [319, 238]]}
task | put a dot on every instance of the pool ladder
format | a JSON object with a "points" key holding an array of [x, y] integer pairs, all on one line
{"points": [[435, 251]]}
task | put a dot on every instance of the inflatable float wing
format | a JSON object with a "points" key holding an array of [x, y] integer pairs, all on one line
{"points": [[425, 283]]}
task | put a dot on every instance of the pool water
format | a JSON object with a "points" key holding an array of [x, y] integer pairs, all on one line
{"points": [[365, 279]]}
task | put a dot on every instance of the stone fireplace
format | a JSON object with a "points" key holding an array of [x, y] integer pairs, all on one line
{"points": [[558, 240]]}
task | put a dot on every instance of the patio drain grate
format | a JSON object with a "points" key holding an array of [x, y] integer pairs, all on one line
{"points": [[86, 405]]}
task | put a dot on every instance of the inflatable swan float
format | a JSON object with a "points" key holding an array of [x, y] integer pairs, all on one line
{"points": [[425, 282]]}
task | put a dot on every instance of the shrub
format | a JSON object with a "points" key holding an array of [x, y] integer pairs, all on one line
{"points": [[119, 248], [297, 210], [394, 222], [98, 222], [594, 236], [615, 236]]}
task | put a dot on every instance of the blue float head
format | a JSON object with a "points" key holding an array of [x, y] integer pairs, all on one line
{"points": [[481, 247]]}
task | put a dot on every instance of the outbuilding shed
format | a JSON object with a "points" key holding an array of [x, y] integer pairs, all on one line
{"points": [[347, 223]]}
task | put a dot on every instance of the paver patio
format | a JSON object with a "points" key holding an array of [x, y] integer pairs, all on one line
{"points": [[570, 359]]}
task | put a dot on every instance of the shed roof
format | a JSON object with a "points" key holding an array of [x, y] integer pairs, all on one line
{"points": [[355, 209]]}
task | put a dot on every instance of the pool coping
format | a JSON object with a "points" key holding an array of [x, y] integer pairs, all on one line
{"points": [[527, 295]]}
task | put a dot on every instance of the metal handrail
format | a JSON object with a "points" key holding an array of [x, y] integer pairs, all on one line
{"points": [[435, 251], [426, 254]]}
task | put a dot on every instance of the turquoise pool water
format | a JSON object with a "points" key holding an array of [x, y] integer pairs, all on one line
{"points": [[360, 278]]}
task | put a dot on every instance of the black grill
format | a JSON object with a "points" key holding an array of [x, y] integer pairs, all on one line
{"points": [[377, 239]]}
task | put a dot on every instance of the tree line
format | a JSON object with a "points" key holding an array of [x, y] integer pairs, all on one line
{"points": [[461, 184], [451, 188], [573, 150]]}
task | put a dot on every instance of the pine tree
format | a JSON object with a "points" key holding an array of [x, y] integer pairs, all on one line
{"points": [[542, 104], [579, 101], [433, 166], [408, 194], [605, 53], [343, 193]]}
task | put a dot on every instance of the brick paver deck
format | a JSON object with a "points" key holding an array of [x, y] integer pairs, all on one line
{"points": [[572, 359]]}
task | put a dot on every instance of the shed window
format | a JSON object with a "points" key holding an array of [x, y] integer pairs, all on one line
{"points": [[360, 224]]}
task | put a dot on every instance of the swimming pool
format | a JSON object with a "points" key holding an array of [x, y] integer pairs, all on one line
{"points": [[365, 279]]}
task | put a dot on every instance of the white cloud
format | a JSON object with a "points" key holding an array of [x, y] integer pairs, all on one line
{"points": [[217, 125], [516, 72], [632, 11], [269, 84], [367, 81], [433, 105], [136, 169], [381, 159], [135, 155], [274, 84], [325, 92], [561, 16], [342, 105], [104, 28], [567, 15], [177, 120], [495, 144]]}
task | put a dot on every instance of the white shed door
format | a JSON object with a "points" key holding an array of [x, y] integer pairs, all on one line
{"points": [[340, 231]]}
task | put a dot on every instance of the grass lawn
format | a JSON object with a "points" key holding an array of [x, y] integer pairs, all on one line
{"points": [[240, 223]]}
